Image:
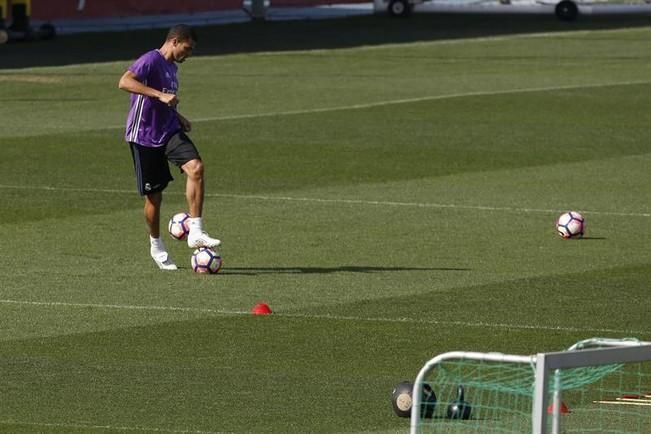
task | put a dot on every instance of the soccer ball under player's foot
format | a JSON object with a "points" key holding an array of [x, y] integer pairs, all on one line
{"points": [[206, 260]]}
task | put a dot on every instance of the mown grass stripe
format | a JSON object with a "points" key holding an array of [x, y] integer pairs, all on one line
{"points": [[339, 201], [225, 312]]}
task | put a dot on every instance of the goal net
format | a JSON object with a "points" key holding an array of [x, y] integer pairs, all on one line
{"points": [[597, 385]]}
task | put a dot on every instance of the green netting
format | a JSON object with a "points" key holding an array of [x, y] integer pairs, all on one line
{"points": [[501, 397], [507, 378], [516, 378], [579, 377]]}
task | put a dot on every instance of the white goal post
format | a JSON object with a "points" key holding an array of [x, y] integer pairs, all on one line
{"points": [[538, 376]]}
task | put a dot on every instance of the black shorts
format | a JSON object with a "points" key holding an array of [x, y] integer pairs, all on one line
{"points": [[152, 170]]}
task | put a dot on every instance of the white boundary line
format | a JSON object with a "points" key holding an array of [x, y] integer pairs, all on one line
{"points": [[381, 203], [103, 427], [224, 312], [396, 102], [416, 100], [420, 205], [123, 307], [402, 101]]}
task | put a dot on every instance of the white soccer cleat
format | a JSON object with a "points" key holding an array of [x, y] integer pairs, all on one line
{"points": [[198, 239], [163, 260]]}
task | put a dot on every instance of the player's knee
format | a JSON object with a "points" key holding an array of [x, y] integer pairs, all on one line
{"points": [[194, 169]]}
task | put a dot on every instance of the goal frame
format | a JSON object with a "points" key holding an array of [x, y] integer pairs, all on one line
{"points": [[545, 366]]}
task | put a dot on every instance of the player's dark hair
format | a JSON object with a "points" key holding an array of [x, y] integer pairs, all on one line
{"points": [[182, 32]]}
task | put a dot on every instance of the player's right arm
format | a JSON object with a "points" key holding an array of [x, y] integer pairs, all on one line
{"points": [[129, 82]]}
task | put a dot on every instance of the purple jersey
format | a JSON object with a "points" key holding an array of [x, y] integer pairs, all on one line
{"points": [[151, 122]]}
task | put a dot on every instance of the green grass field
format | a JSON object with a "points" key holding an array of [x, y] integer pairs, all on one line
{"points": [[390, 198]]}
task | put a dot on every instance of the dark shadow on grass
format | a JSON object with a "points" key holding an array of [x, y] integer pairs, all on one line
{"points": [[593, 238], [254, 271], [302, 35]]}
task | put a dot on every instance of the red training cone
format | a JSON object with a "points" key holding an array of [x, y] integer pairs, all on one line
{"points": [[564, 408], [261, 309]]}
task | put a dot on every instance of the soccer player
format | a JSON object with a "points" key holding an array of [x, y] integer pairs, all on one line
{"points": [[156, 133]]}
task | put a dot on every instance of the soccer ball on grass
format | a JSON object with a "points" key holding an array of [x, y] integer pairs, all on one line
{"points": [[178, 226], [570, 224], [205, 260]]}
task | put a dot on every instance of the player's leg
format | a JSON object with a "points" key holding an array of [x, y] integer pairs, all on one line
{"points": [[194, 187], [153, 203], [194, 193], [182, 152], [152, 175], [157, 248]]}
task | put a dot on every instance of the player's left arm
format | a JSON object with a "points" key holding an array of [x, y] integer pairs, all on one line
{"points": [[185, 123]]}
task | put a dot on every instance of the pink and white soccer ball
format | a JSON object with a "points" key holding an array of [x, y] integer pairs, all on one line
{"points": [[178, 226], [205, 260], [570, 224]]}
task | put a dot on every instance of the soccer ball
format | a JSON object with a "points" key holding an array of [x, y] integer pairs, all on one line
{"points": [[205, 260], [401, 400], [178, 226], [570, 225]]}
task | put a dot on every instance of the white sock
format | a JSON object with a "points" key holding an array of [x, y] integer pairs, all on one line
{"points": [[157, 245], [195, 224]]}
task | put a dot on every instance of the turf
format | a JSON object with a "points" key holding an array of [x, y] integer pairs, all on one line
{"points": [[390, 197]]}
